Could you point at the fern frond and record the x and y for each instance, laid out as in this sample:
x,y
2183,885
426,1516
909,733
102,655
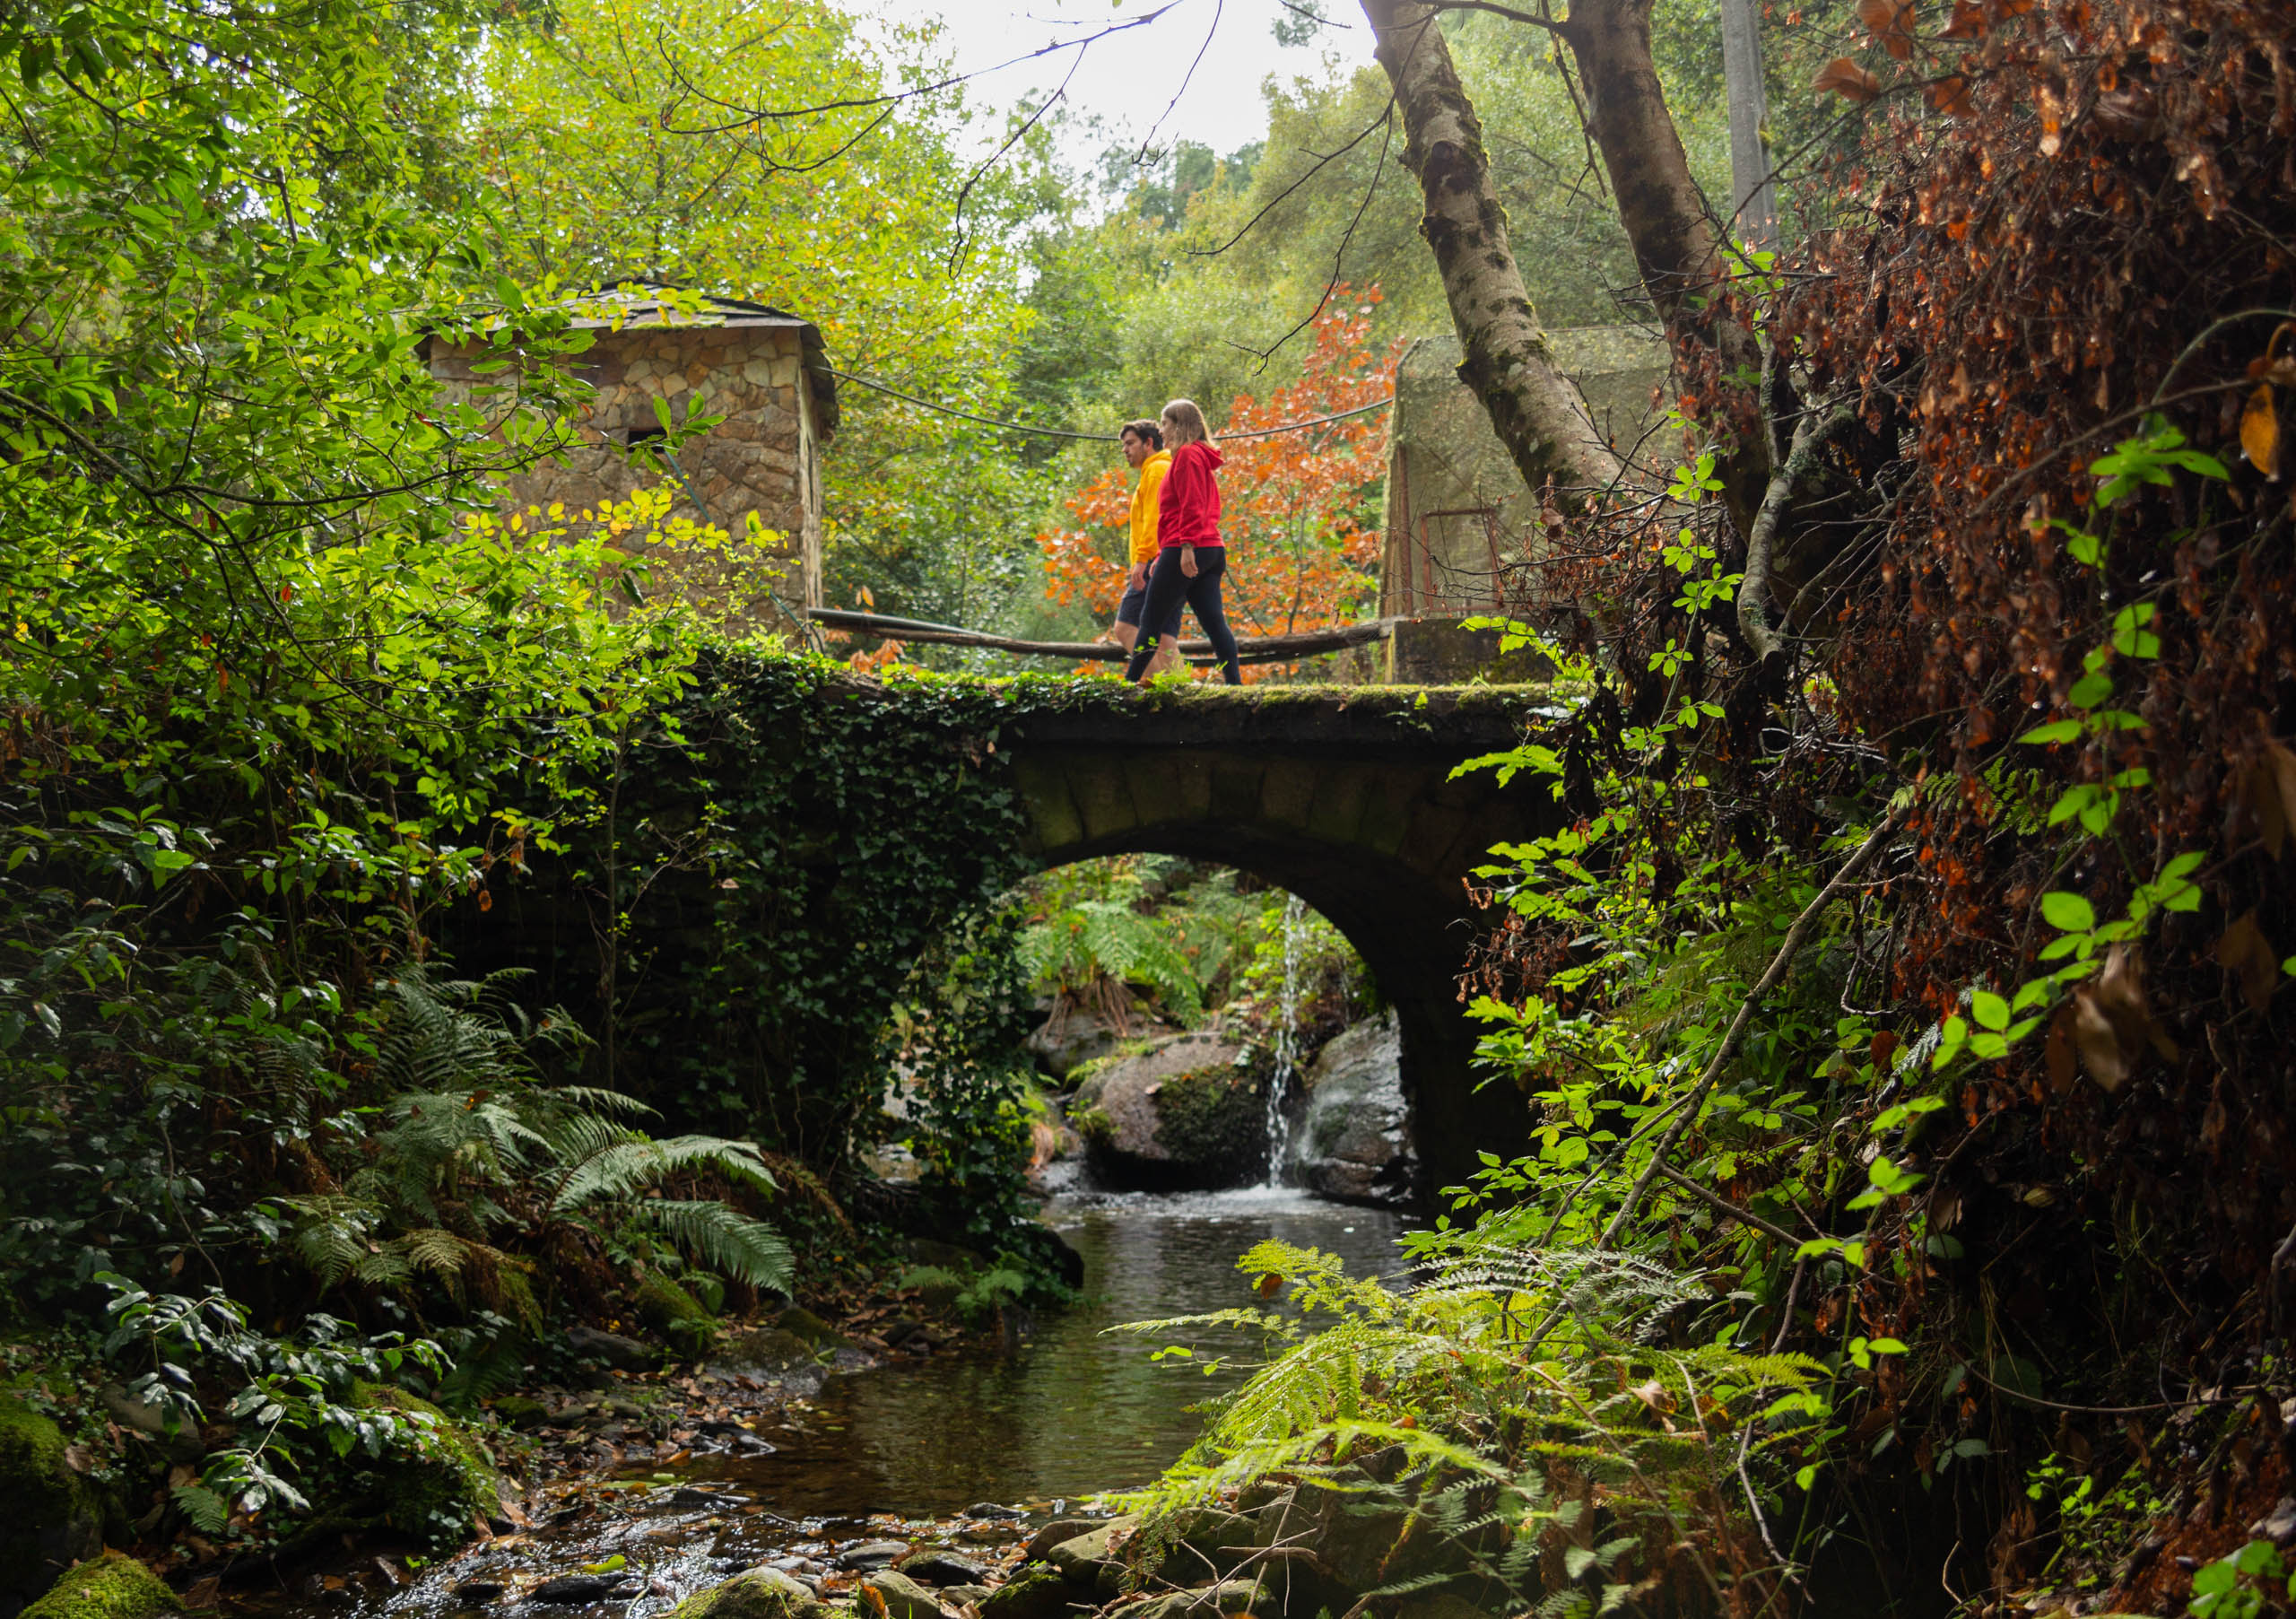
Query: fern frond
x,y
332,1236
748,1250
598,1099
383,1268
631,1163
441,1253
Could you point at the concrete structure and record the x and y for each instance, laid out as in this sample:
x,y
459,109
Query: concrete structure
x,y
1345,797
1459,521
756,474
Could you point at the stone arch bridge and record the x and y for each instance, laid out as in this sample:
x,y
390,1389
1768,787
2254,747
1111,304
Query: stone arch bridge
x,y
1342,795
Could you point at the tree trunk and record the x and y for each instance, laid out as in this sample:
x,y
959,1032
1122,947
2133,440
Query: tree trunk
x,y
1537,412
1677,247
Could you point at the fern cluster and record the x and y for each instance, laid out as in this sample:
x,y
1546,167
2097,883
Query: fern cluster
x,y
480,1165
1524,1425
1108,933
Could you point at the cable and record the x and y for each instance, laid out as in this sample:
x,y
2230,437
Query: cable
x,y
1062,432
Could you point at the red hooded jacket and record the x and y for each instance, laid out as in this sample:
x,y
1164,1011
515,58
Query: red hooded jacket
x,y
1188,507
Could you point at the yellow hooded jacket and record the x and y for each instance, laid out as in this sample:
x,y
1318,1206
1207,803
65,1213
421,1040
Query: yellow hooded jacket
x,y
1143,505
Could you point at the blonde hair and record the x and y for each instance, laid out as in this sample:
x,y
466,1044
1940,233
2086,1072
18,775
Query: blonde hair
x,y
1183,422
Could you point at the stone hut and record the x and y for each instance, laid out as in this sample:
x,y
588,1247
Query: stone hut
x,y
1457,510
756,474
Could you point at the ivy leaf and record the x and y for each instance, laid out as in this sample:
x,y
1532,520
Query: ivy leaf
x,y
2068,912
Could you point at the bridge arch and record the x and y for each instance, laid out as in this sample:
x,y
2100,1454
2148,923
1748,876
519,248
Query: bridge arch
x,y
1343,796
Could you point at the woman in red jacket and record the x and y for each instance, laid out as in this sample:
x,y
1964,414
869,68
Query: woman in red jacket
x,y
1190,557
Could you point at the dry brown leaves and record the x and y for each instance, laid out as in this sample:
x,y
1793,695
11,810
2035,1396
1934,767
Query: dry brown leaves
x,y
1844,77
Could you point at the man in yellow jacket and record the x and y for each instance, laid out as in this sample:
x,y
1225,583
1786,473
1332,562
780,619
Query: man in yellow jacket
x,y
1143,449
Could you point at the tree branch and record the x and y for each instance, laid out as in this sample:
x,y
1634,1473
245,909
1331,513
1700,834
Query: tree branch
x,y
1790,472
1722,1205
1771,979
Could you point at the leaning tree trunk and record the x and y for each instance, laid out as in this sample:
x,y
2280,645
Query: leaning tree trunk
x,y
1538,412
1677,247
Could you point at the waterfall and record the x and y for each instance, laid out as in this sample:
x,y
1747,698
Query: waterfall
x,y
1287,1041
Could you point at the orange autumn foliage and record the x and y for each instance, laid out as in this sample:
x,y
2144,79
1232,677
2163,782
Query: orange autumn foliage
x,y
1302,537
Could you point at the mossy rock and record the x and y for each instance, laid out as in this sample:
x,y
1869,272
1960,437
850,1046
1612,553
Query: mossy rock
x,y
758,1594
902,1596
437,1480
1093,1127
804,1324
111,1587
1037,1592
1216,1118
677,1315
518,1411
1186,1112
50,1516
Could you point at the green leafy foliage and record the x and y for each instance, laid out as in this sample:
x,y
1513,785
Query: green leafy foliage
x,y
1471,1409
297,1400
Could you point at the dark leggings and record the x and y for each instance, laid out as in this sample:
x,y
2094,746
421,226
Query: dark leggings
x,y
1168,587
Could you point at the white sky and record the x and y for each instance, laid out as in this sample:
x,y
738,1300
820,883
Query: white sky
x,y
1128,78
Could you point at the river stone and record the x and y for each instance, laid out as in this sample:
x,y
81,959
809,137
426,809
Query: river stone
x,y
761,1593
1080,1558
1064,1042
989,1509
1177,1113
145,1418
902,1597
760,1349
580,1590
1352,1142
962,1594
942,1568
1037,1592
626,1355
803,1323
1209,1543
518,1411
1257,1598
871,1554
1054,1533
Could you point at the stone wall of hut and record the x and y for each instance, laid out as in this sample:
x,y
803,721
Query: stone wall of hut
x,y
762,461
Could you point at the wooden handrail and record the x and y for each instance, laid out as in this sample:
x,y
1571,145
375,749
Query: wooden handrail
x,y
1255,649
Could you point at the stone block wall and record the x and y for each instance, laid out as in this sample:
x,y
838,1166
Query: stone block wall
x,y
1458,517
763,459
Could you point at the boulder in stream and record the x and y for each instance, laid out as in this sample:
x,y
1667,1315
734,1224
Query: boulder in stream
x,y
936,1567
898,1596
1037,1591
761,1593
1066,1040
1181,1112
1352,1142
582,1590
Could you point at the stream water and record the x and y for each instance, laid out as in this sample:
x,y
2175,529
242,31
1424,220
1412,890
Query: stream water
x,y
1074,1410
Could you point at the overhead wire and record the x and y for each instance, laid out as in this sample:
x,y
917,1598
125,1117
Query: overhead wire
x,y
1062,432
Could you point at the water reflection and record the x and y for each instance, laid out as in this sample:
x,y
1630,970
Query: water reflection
x,y
1075,1409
